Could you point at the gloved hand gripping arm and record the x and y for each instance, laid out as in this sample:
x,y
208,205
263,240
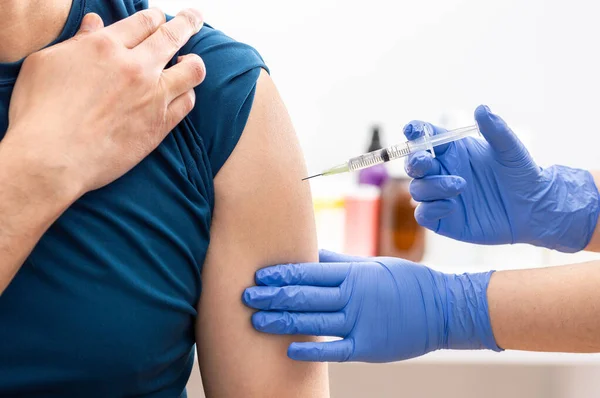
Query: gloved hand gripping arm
x,y
387,309
384,309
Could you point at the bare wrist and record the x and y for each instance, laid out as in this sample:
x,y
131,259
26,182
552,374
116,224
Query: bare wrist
x,y
35,176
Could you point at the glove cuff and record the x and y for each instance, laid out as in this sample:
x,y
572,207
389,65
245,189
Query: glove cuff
x,y
468,322
572,206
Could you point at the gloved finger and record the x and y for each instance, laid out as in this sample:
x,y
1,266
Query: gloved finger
x,y
436,188
416,129
294,298
313,324
500,137
326,256
421,164
315,274
429,213
334,351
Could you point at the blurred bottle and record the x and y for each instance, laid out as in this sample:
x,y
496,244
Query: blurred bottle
x,y
363,204
400,234
361,234
376,175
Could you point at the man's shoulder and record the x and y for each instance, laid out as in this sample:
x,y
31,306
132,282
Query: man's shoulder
x,y
221,53
224,99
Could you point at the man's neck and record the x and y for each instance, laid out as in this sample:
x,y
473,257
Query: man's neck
x,y
30,25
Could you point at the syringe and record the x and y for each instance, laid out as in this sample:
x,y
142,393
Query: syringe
x,y
424,143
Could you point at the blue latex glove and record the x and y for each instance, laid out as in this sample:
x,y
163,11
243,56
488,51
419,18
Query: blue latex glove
x,y
492,192
385,309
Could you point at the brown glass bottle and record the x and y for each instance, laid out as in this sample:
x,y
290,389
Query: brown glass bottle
x,y
400,234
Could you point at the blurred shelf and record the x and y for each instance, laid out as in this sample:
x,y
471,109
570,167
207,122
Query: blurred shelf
x,y
507,358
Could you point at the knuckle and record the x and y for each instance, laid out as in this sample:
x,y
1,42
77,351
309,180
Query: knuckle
x,y
190,17
274,273
295,273
170,36
103,44
149,20
189,101
281,274
278,299
132,70
288,321
197,69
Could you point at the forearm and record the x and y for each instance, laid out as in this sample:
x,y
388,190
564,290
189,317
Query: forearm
x,y
30,201
552,309
594,245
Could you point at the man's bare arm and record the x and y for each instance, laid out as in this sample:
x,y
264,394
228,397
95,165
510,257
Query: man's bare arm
x,y
594,245
263,215
29,203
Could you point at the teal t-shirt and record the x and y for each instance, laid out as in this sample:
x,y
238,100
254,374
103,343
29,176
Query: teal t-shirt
x,y
105,305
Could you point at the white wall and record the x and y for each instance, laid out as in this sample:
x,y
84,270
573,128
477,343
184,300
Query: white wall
x,y
342,64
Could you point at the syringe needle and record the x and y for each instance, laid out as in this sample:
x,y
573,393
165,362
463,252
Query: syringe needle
x,y
308,178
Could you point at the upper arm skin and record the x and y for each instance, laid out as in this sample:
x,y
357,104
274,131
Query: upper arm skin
x,y
263,215
594,244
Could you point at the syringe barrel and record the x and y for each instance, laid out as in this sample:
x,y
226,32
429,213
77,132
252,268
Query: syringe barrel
x,y
377,157
454,135
425,142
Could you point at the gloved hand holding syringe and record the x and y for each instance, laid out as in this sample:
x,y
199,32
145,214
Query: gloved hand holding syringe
x,y
424,143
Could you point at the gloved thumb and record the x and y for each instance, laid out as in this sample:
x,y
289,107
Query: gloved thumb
x,y
500,137
90,24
